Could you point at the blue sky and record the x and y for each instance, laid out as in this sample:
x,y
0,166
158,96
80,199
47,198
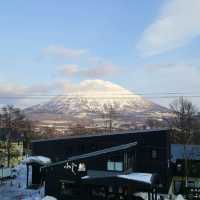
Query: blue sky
x,y
145,46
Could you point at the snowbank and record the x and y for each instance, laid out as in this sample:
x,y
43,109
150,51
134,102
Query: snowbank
x,y
15,189
49,198
142,195
180,197
37,159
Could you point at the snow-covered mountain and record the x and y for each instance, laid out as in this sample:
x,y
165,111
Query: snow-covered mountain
x,y
97,96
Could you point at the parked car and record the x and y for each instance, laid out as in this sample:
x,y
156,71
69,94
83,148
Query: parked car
x,y
13,173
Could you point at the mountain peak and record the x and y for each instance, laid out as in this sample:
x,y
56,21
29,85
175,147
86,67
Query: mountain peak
x,y
95,96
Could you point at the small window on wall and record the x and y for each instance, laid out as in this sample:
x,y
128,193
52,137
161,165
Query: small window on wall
x,y
154,154
114,166
110,166
118,166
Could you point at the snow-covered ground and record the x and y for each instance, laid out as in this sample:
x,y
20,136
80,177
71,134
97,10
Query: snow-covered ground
x,y
15,189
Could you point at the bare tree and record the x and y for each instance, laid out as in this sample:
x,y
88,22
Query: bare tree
x,y
184,123
109,114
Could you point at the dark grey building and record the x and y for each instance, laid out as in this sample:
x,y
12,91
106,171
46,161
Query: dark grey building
x,y
123,162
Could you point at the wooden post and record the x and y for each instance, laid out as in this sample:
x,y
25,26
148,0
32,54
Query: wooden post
x,y
27,176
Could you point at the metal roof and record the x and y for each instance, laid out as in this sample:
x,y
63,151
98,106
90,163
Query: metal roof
x,y
104,151
102,134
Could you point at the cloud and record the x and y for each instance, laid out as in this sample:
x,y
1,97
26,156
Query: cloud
x,y
60,52
177,25
98,67
98,71
170,77
94,86
9,94
162,78
22,96
70,70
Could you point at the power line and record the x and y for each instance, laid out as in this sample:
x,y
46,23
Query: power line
x,y
117,96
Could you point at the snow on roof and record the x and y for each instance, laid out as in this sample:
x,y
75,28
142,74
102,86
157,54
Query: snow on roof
x,y
49,198
141,177
37,159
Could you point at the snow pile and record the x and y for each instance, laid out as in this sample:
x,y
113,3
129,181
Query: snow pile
x,y
85,177
180,197
142,195
16,188
49,198
141,177
37,159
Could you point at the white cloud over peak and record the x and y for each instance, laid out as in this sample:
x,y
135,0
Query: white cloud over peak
x,y
94,86
177,25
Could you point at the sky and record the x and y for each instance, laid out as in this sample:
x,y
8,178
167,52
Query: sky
x,y
149,47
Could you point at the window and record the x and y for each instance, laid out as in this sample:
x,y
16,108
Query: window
x,y
118,166
114,166
110,166
154,154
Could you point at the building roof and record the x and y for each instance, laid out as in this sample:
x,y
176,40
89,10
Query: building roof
x,y
102,134
104,151
192,152
95,153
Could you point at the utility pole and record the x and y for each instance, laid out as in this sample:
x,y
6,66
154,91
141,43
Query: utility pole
x,y
110,118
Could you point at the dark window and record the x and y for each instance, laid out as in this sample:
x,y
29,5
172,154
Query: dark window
x,y
56,159
69,151
82,148
94,147
154,154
